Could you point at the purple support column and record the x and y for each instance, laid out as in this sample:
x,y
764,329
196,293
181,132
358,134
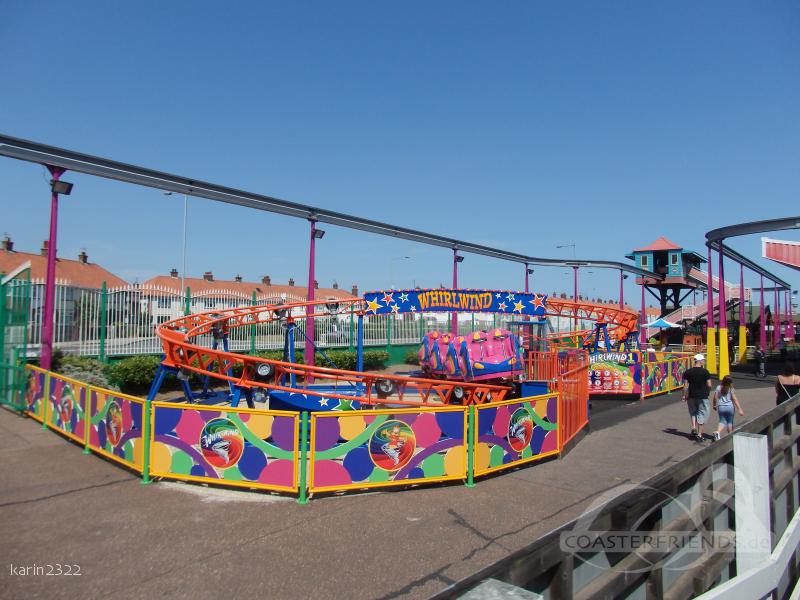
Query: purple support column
x,y
710,317
762,325
642,321
621,292
721,299
454,316
789,317
741,295
724,356
50,278
309,352
776,318
575,294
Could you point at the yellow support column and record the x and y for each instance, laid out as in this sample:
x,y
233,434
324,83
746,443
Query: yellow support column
x,y
711,350
724,360
742,344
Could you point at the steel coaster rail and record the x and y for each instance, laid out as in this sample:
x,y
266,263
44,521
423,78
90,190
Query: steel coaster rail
x,y
36,152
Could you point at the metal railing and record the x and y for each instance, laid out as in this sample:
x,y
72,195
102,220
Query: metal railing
x,y
694,501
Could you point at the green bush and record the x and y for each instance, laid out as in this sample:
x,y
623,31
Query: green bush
x,y
411,357
133,374
86,370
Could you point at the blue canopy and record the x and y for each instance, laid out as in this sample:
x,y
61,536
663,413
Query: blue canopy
x,y
662,323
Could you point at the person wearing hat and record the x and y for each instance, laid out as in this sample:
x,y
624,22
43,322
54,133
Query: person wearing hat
x,y
695,394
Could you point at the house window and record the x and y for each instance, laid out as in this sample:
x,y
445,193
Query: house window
x,y
164,302
644,260
673,259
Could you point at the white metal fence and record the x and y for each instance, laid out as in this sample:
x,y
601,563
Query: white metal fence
x,y
122,321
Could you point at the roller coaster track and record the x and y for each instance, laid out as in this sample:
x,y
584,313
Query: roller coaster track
x,y
183,350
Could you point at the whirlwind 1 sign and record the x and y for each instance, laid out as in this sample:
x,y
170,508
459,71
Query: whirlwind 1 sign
x,y
442,300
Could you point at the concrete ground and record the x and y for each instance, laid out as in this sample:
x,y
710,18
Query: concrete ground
x,y
177,540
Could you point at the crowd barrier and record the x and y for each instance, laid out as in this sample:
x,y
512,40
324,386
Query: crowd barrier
x,y
304,453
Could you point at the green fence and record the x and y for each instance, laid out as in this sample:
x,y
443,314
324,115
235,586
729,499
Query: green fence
x,y
15,301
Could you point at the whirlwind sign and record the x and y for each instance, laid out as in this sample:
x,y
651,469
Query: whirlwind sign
x,y
442,300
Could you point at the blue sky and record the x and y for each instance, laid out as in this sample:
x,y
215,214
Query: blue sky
x,y
522,125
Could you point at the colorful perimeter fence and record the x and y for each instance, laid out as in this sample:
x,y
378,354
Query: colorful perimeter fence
x,y
662,377
302,453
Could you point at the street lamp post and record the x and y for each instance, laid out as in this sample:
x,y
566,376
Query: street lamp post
x,y
454,318
183,255
56,187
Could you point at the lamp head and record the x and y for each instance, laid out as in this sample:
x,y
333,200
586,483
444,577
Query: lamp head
x,y
61,187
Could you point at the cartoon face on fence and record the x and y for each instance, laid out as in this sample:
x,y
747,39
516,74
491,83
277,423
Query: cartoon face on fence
x,y
392,445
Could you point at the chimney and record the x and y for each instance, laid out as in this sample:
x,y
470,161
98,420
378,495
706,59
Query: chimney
x,y
238,278
83,257
354,291
43,250
174,273
316,284
335,285
291,281
266,280
208,276
8,244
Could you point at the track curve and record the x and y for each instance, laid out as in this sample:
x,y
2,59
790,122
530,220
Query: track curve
x,y
182,351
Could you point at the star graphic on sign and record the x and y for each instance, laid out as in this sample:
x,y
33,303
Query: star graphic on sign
x,y
395,308
372,305
387,299
403,297
518,307
413,309
323,401
344,405
510,297
538,301
497,295
502,306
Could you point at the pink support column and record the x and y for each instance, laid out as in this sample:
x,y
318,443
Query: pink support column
x,y
50,278
721,299
776,318
788,331
710,317
762,325
711,333
621,291
454,316
575,294
741,296
642,321
309,352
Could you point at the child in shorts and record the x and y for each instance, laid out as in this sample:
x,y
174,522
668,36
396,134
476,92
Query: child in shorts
x,y
724,401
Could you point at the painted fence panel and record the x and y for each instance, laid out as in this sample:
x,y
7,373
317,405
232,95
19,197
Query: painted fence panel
x,y
663,376
115,427
35,393
677,369
376,448
66,409
515,432
238,447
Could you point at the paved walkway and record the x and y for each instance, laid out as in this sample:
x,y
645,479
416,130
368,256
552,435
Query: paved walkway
x,y
186,541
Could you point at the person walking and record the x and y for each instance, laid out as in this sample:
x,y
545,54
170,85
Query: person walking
x,y
788,384
695,394
724,401
761,362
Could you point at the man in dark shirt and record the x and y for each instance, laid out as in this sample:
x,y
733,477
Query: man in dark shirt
x,y
696,395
